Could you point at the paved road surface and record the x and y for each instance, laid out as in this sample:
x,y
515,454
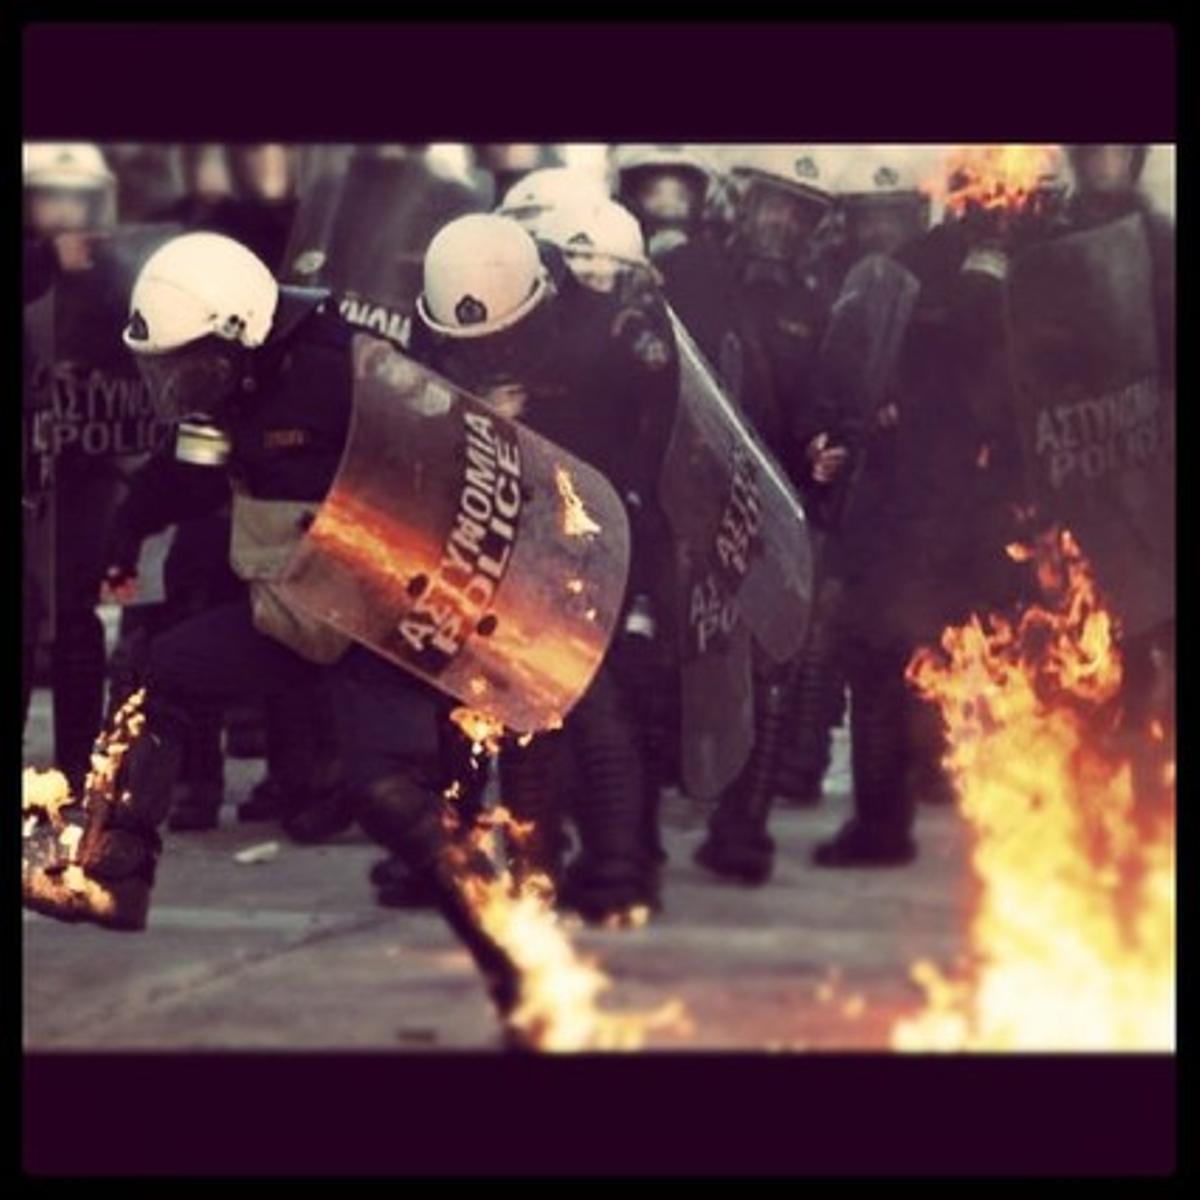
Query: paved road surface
x,y
293,953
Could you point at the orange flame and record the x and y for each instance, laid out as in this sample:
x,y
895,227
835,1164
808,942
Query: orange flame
x,y
44,794
482,730
994,177
576,521
1073,937
557,1007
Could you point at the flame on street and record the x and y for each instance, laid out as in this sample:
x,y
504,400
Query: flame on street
x,y
1073,937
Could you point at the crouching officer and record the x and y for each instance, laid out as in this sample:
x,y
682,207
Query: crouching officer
x,y
259,379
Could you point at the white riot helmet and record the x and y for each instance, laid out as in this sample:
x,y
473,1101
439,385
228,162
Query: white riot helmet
x,y
196,285
784,195
598,240
482,275
68,186
881,197
65,166
534,195
666,187
804,171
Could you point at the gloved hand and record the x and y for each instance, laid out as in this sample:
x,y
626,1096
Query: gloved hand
x,y
122,552
826,460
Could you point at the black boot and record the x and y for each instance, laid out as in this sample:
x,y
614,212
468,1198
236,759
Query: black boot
x,y
108,879
613,872
738,845
880,833
326,813
858,844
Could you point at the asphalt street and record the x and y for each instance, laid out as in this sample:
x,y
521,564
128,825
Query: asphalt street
x,y
292,952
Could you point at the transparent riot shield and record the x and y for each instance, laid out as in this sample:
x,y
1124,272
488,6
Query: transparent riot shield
x,y
730,503
86,381
464,547
1095,417
366,215
743,567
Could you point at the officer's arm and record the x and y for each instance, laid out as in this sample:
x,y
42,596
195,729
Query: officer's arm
x,y
162,493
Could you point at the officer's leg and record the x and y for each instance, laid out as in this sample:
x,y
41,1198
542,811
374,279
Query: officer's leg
x,y
738,845
211,659
463,776
84,499
531,790
386,730
646,676
1148,720
199,555
926,778
813,705
388,737
880,832
613,871
310,727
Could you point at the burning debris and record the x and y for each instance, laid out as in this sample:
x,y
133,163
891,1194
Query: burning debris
x,y
1073,938
996,177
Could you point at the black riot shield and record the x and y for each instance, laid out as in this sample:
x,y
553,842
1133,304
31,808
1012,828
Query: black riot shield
x,y
464,547
87,384
364,220
865,332
859,354
744,568
1095,416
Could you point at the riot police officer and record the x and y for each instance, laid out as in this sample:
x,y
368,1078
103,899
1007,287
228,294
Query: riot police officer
x,y
69,194
533,197
259,379
516,328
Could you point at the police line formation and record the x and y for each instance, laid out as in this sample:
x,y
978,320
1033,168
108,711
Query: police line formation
x,y
668,468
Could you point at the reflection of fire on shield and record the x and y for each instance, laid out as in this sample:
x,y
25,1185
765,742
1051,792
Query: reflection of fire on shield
x,y
464,547
1095,418
743,569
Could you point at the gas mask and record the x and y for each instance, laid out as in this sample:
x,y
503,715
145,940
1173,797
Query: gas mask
x,y
195,387
664,199
50,211
884,226
777,225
